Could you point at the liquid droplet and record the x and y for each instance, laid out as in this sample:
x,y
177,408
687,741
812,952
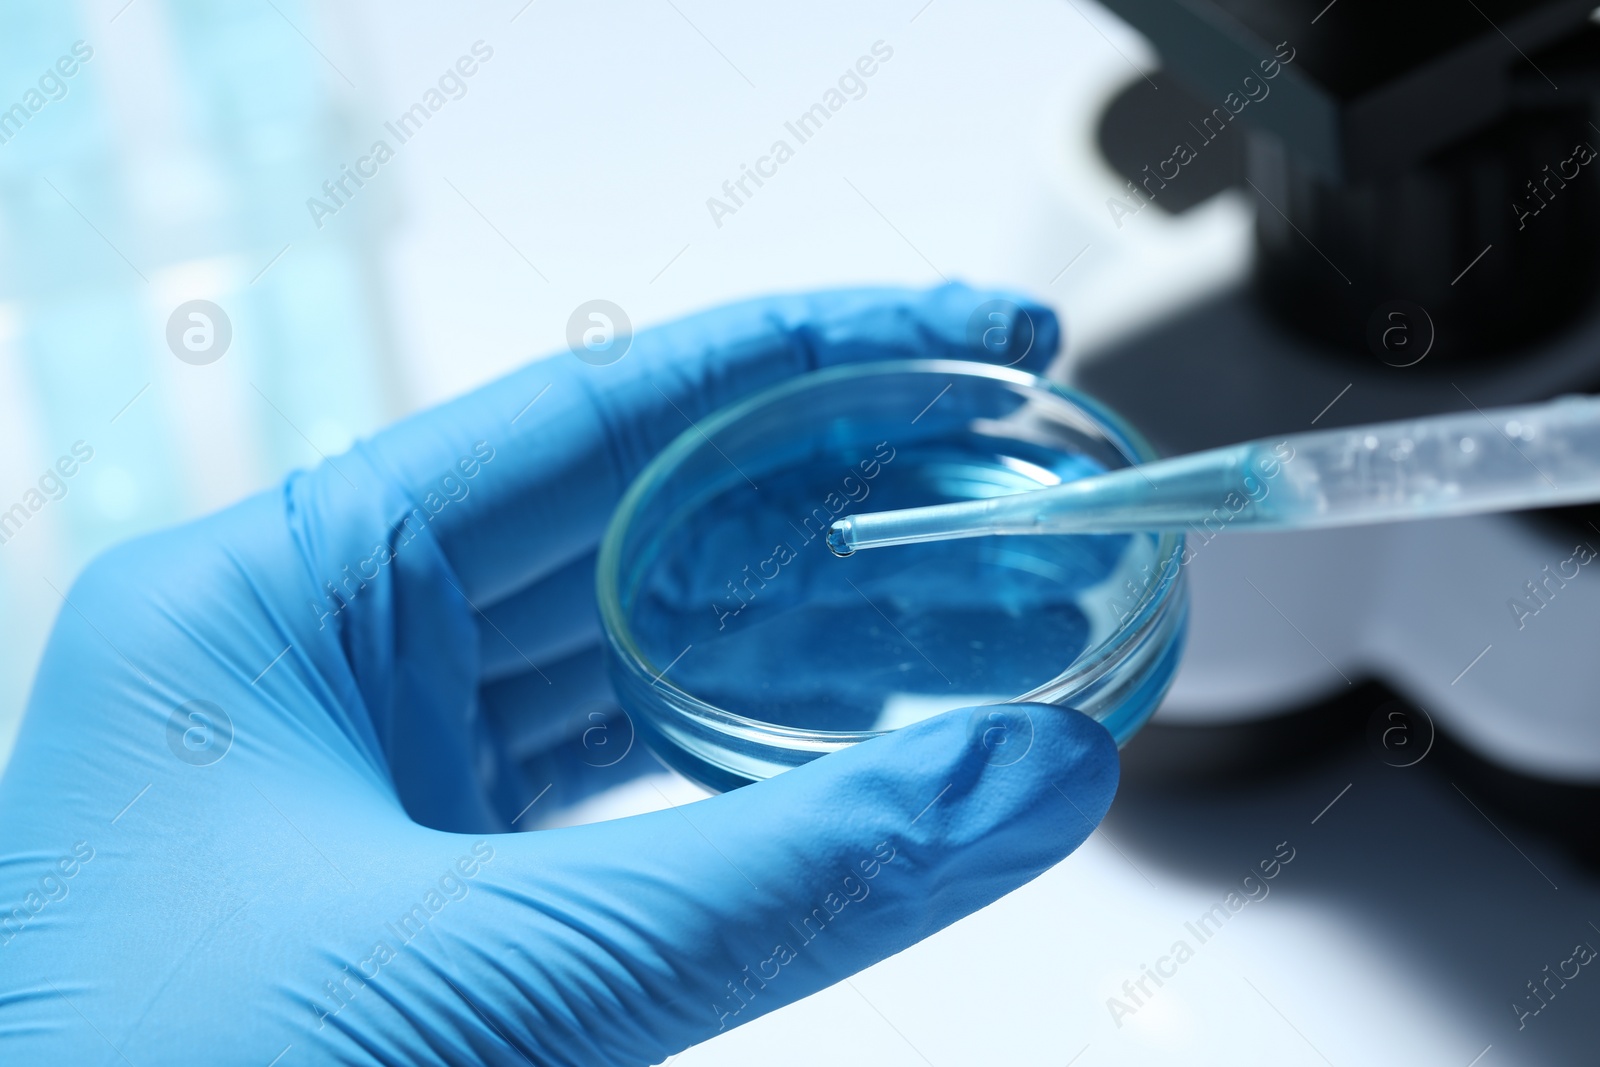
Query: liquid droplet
x,y
839,539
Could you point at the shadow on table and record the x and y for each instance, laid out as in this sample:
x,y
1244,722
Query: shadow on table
x,y
1407,857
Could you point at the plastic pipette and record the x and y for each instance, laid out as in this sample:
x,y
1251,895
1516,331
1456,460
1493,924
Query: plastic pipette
x,y
1536,455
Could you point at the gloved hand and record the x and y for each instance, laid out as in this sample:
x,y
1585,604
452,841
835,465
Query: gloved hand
x,y
258,804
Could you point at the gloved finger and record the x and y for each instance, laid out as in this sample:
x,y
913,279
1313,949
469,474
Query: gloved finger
x,y
548,620
519,477
601,751
536,709
703,917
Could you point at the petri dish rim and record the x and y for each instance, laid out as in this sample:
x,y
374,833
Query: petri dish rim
x,y
1085,669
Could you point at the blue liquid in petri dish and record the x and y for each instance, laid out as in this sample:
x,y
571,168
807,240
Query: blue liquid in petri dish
x,y
785,632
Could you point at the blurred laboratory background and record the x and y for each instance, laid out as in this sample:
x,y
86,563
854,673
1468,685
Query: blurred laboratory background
x,y
203,151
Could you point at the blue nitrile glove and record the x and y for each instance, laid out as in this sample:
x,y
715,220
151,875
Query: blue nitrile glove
x,y
258,803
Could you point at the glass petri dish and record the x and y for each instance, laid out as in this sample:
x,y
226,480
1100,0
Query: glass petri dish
x,y
740,646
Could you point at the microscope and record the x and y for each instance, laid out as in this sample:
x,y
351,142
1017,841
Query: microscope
x,y
1427,239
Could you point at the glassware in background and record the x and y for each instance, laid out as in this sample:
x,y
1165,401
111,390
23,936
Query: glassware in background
x,y
151,156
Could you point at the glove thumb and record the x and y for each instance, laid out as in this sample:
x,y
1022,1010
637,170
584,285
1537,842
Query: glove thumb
x,y
706,916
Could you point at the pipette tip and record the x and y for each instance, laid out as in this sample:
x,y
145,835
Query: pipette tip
x,y
839,538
